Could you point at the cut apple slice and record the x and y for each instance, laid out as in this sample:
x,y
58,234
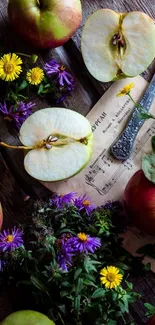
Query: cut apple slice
x,y
116,45
60,143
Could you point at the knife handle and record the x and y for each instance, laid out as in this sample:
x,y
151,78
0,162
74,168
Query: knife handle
x,y
121,149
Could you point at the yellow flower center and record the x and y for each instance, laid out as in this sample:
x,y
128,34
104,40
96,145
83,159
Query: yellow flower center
x,y
9,239
35,76
86,203
111,277
82,236
8,68
8,118
62,68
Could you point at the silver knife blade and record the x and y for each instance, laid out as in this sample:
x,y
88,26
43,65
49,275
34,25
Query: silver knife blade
x,y
121,149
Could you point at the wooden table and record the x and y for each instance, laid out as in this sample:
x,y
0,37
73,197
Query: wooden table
x,y
14,181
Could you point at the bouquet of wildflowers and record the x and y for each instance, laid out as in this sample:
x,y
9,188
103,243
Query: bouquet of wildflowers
x,y
17,80
69,262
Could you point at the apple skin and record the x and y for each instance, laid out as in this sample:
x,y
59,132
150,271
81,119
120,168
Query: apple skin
x,y
27,317
45,23
139,197
151,321
1,216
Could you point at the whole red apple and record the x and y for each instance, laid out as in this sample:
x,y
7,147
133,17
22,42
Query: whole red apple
x,y
1,216
139,196
45,23
151,321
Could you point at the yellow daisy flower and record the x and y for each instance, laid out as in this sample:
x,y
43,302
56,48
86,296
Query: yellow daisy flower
x,y
10,67
126,89
111,277
35,76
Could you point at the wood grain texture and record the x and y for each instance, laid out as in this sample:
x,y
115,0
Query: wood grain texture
x,y
87,92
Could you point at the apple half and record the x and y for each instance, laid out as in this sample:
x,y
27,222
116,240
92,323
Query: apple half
x,y
59,143
117,45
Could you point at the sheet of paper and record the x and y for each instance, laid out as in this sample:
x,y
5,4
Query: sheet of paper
x,y
105,178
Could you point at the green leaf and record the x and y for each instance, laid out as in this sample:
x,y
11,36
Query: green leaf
x,y
153,143
123,266
41,88
145,116
89,283
77,273
64,293
112,322
77,304
23,85
98,293
66,284
125,302
38,284
129,284
148,167
114,295
34,58
79,286
150,309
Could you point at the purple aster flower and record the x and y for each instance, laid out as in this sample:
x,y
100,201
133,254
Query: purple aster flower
x,y
10,240
60,200
84,202
83,244
64,257
17,115
64,78
112,205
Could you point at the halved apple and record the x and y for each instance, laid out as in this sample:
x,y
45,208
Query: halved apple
x,y
59,141
116,45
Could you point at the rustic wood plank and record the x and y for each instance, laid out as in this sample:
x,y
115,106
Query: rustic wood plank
x,y
11,197
87,92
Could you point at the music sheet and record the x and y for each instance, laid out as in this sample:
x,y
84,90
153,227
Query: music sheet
x,y
105,178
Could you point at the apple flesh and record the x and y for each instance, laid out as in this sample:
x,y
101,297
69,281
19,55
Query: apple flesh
x,y
45,23
139,197
116,45
27,317
1,216
60,143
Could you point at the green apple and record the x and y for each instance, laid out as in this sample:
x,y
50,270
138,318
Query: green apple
x,y
59,142
117,45
45,23
27,317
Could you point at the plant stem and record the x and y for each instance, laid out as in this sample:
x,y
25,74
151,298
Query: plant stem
x,y
132,99
62,321
140,107
23,54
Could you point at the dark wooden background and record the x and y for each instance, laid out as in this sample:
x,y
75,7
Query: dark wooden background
x,y
14,181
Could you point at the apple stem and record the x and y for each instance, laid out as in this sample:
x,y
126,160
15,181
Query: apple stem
x,y
38,146
3,144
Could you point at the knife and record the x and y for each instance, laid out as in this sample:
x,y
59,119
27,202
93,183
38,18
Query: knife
x,y
121,149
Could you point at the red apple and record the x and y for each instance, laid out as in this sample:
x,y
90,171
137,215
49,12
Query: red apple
x,y
139,196
45,23
151,321
1,216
